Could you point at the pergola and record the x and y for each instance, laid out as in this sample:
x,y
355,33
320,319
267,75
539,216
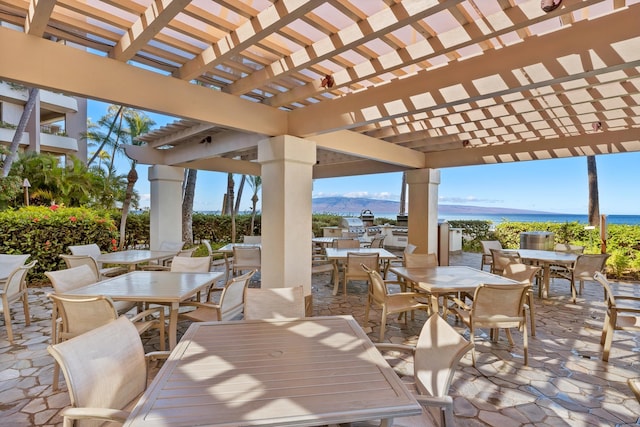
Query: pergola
x,y
295,90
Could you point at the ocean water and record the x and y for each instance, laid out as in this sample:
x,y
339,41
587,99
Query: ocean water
x,y
561,218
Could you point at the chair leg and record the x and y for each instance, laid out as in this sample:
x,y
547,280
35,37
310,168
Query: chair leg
x,y
7,319
608,340
25,307
525,342
532,313
573,290
56,376
383,323
473,347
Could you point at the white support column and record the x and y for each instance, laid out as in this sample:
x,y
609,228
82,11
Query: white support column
x,y
287,183
423,209
166,204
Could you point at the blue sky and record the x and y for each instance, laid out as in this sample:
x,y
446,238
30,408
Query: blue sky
x,y
558,186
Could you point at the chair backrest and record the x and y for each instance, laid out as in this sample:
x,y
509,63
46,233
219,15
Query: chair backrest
x,y
378,291
565,247
186,253
191,264
499,305
92,250
9,263
246,257
522,273
169,246
77,260
420,260
608,294
410,248
354,263
587,265
232,296
487,245
71,278
273,303
16,282
82,314
438,351
103,368
346,243
207,244
503,258
254,240
377,242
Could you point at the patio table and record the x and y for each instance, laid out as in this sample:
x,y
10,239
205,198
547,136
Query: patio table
x,y
340,255
133,257
443,280
292,372
161,287
546,259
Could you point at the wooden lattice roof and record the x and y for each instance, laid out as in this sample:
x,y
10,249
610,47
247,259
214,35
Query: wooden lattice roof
x,y
380,85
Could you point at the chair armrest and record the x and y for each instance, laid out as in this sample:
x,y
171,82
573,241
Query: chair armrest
x,y
106,414
439,402
157,355
153,267
395,347
198,304
148,312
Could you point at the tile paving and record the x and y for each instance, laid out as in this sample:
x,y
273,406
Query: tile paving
x,y
565,383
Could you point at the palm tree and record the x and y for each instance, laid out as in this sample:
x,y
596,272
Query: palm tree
x,y
187,205
243,179
594,204
138,123
255,182
17,136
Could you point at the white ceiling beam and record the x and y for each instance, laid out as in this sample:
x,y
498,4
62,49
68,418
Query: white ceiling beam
x,y
390,19
181,135
355,168
222,164
38,16
276,16
359,145
155,18
222,144
594,143
364,107
128,85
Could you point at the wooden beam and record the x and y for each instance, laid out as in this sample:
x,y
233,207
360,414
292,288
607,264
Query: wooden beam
x,y
38,16
108,80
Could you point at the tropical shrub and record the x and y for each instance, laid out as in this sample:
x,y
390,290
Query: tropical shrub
x,y
46,232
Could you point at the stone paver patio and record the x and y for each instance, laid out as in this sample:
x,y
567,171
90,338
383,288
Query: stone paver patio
x,y
565,383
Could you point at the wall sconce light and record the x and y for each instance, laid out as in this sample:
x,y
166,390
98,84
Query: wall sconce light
x,y
328,81
550,5
596,126
207,140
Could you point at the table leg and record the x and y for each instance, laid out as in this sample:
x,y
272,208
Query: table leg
x,y
336,278
434,304
227,268
545,279
386,422
173,325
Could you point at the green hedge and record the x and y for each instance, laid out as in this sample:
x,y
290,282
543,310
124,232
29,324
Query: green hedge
x,y
44,233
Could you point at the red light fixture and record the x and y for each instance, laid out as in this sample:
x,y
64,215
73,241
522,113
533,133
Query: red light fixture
x,y
328,81
550,5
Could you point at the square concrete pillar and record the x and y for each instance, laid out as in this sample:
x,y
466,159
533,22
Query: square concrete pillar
x,y
423,209
287,183
166,204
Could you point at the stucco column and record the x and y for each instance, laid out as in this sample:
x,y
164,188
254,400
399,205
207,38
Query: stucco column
x,y
166,204
287,182
423,209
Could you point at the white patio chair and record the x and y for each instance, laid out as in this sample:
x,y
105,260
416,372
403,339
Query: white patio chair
x,y
14,288
274,303
94,252
436,356
105,370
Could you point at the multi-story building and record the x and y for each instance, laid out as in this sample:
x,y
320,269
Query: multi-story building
x,y
56,124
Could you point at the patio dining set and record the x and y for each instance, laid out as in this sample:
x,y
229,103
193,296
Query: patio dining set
x,y
275,364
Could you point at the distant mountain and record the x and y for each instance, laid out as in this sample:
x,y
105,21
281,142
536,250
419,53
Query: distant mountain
x,y
354,206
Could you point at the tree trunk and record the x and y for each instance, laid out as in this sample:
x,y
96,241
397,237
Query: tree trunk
x,y
22,125
254,203
187,206
228,207
594,204
132,178
403,194
239,196
113,124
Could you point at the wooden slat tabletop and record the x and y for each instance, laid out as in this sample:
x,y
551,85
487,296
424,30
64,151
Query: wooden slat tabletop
x,y
296,372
